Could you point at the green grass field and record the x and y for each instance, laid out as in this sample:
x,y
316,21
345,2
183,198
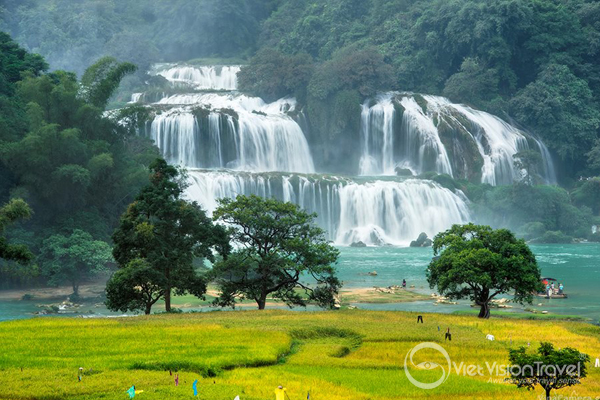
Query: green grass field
x,y
351,354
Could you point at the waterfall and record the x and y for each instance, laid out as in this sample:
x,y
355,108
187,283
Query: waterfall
x,y
429,133
377,133
203,77
384,212
175,134
242,133
496,140
235,144
421,142
549,173
417,146
136,97
374,212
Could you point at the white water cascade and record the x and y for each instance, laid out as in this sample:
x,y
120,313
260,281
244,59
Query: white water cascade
x,y
202,77
374,212
240,132
418,150
428,133
234,144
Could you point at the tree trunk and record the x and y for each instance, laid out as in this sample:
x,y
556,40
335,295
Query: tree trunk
x,y
484,312
168,298
168,291
262,301
548,393
75,289
148,308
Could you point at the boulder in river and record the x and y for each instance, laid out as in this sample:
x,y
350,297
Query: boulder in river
x,y
422,241
358,244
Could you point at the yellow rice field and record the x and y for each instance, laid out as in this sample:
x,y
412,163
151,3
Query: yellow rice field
x,y
350,354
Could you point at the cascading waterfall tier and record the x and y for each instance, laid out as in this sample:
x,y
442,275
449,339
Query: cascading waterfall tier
x,y
210,130
376,212
420,133
200,77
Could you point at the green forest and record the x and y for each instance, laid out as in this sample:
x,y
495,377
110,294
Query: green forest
x,y
76,169
63,63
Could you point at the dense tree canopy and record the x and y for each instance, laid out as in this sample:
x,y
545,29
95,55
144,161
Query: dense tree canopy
x,y
167,233
73,34
278,247
75,167
479,263
275,74
562,108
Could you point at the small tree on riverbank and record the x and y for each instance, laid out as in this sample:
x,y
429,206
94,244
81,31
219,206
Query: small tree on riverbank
x,y
279,245
550,368
74,258
480,263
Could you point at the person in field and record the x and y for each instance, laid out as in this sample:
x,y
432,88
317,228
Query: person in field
x,y
448,335
280,393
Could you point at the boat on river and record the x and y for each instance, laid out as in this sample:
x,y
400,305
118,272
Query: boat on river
x,y
555,293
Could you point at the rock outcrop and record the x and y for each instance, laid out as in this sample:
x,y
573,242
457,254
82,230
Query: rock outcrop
x,y
422,241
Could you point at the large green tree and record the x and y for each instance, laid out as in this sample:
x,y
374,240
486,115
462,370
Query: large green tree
x,y
167,232
480,263
74,258
550,368
279,251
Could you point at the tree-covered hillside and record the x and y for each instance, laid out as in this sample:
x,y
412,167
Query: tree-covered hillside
x,y
536,62
76,168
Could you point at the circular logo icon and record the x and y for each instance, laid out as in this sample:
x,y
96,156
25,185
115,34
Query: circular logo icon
x,y
429,365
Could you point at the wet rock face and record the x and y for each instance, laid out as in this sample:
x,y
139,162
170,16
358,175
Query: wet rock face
x,y
422,241
403,172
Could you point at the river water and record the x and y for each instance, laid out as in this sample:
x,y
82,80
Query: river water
x,y
577,266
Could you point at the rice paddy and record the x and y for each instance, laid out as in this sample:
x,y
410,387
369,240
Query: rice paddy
x,y
349,354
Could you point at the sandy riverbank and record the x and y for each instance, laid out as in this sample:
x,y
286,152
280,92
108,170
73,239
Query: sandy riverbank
x,y
96,290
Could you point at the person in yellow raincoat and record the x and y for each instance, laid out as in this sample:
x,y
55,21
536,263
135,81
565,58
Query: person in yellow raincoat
x,y
280,393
